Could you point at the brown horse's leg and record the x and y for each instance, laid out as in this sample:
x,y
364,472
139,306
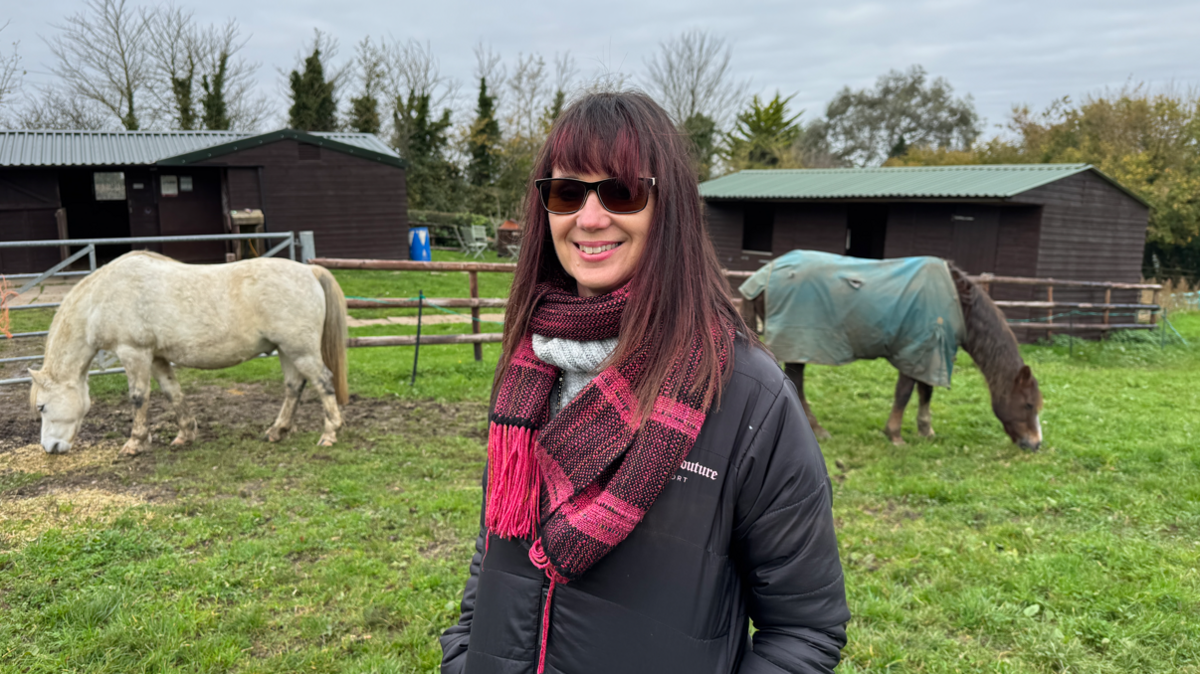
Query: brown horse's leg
x,y
904,389
293,384
137,364
924,416
165,375
795,372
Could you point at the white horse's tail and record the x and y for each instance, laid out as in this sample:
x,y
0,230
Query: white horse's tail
x,y
333,335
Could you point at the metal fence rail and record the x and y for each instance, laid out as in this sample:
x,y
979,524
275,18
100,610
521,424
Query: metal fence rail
x,y
286,240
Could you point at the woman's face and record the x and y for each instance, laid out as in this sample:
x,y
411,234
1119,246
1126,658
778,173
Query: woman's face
x,y
599,249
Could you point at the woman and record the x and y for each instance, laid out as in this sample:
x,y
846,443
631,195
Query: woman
x,y
652,481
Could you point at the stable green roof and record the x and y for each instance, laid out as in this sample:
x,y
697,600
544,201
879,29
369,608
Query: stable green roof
x,y
167,148
995,181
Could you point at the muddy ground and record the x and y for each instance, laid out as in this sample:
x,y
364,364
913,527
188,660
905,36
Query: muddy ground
x,y
247,410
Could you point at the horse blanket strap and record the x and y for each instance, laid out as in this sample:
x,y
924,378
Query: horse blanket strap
x,y
830,310
581,482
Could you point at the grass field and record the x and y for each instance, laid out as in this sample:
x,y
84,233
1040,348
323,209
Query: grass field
x,y
962,553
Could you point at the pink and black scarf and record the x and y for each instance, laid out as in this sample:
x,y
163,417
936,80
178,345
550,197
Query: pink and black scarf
x,y
577,485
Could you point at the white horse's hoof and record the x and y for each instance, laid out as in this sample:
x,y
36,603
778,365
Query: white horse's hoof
x,y
325,442
133,448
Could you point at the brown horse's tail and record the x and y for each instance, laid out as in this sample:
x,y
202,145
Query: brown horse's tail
x,y
333,335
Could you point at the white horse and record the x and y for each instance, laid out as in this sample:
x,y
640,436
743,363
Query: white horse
x,y
152,311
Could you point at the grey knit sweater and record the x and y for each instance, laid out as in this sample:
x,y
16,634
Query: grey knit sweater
x,y
579,361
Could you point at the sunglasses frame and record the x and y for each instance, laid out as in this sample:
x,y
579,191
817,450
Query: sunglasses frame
x,y
589,187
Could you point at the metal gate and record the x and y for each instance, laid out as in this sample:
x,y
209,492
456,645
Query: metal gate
x,y
107,363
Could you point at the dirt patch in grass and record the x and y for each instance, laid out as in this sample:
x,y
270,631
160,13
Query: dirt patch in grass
x,y
23,520
249,407
245,410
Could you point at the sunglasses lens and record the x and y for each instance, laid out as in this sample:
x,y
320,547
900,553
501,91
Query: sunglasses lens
x,y
620,199
563,196
566,195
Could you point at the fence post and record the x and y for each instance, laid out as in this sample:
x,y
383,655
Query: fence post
x,y
1154,314
308,247
1050,311
92,257
1107,300
417,349
474,281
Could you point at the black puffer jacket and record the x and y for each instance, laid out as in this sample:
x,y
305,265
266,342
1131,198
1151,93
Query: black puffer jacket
x,y
743,532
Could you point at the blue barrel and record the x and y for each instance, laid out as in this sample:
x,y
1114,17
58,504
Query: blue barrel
x,y
418,244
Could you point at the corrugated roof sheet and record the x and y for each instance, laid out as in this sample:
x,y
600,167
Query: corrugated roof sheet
x,y
116,148
995,181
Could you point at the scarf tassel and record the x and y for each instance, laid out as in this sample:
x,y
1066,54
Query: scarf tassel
x,y
537,555
514,479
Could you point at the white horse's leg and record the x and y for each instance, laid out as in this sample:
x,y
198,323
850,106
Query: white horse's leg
x,y
293,383
312,369
165,374
137,364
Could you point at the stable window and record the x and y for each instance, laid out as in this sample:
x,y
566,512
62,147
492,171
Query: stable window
x,y
758,228
109,185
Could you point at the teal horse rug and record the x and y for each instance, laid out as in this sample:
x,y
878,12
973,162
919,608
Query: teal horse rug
x,y
830,310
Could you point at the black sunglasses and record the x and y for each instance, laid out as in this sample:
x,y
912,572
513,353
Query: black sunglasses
x,y
563,196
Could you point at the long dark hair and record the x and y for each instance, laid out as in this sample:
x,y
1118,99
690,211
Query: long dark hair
x,y
677,290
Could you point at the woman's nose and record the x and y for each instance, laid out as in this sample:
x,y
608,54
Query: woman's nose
x,y
592,215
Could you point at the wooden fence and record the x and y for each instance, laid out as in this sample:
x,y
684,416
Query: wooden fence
x,y
474,302
1103,310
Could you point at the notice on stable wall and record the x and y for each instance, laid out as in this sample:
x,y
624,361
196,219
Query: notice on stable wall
x,y
170,186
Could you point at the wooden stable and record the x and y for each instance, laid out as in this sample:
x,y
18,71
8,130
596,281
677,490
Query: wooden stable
x,y
347,188
1052,221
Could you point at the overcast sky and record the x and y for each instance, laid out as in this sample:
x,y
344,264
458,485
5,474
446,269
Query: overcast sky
x,y
1002,53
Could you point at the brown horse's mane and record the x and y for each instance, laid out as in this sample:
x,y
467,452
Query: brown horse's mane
x,y
989,340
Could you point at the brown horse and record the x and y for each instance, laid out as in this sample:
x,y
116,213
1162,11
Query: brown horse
x,y
1016,400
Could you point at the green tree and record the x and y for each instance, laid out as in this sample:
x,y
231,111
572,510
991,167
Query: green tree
x,y
434,182
364,108
214,84
764,136
483,140
313,105
866,127
181,90
701,132
1148,142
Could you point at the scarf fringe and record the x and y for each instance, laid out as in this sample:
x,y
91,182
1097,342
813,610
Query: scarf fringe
x,y
514,478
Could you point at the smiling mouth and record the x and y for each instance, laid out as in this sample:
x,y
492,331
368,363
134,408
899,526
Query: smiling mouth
x,y
594,250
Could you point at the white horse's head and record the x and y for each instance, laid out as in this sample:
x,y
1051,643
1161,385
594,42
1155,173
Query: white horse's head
x,y
62,406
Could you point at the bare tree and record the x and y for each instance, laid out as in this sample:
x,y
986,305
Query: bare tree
x,y
176,54
690,76
229,81
10,72
56,109
414,86
528,96
199,82
410,68
103,55
488,64
370,59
